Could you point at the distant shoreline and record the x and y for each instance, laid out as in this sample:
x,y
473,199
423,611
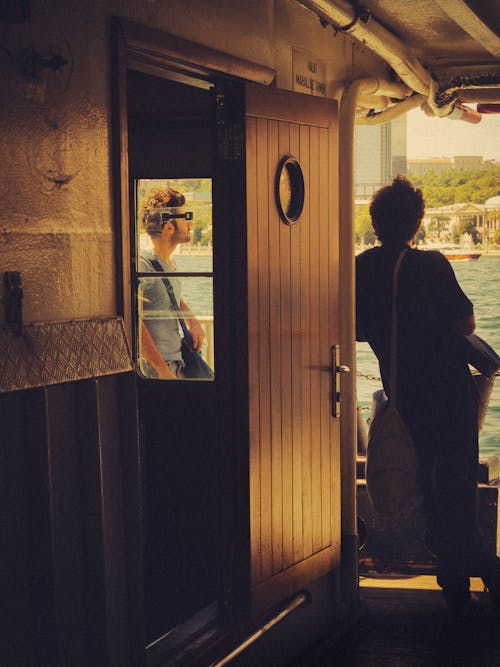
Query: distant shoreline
x,y
484,253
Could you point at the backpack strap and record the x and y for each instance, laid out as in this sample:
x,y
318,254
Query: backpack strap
x,y
394,330
168,285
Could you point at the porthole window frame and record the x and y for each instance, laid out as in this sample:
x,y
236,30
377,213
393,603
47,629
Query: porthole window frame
x,y
290,214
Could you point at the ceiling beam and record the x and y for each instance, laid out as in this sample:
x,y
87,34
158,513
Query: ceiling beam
x,y
470,22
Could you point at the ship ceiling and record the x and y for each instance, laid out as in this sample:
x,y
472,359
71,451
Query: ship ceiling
x,y
443,32
446,51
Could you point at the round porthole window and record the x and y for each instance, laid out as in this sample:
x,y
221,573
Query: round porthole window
x,y
289,188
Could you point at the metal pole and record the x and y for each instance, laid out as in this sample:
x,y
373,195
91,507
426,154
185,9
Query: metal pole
x,y
297,601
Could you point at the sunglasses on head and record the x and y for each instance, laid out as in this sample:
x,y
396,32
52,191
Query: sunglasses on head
x,y
165,217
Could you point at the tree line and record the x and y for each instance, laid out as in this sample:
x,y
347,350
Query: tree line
x,y
457,186
454,186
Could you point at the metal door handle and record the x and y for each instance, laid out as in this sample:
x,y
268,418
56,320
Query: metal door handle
x,y
336,370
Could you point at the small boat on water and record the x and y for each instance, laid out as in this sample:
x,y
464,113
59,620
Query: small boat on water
x,y
452,251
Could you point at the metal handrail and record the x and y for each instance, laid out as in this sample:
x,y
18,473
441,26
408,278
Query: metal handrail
x,y
302,598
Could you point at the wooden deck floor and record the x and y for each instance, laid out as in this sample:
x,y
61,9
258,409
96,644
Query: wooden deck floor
x,y
405,624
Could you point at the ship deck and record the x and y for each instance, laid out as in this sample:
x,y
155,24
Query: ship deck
x,y
404,623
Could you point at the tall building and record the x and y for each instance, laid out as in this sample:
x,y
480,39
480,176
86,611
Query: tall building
x,y
380,154
399,142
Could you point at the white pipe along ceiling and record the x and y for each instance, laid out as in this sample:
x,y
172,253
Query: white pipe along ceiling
x,y
437,98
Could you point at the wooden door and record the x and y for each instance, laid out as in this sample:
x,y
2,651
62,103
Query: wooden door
x,y
293,323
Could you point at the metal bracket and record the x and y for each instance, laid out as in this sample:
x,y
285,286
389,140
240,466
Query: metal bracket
x,y
13,302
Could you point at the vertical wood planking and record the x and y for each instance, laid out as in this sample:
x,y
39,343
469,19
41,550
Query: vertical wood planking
x,y
306,549
333,281
296,367
315,323
67,534
288,145
113,518
253,348
324,290
274,148
27,607
266,357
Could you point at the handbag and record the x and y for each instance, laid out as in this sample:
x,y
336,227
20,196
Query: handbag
x,y
481,355
195,367
486,361
391,457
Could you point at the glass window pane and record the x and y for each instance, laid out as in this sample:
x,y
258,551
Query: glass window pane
x,y
174,238
198,201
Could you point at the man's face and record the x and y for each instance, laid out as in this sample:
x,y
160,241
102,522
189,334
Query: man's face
x,y
182,229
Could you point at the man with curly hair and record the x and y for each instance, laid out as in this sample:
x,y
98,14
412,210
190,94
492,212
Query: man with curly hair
x,y
436,393
166,222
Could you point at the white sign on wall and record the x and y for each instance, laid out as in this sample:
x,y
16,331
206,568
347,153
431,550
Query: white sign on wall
x,y
309,74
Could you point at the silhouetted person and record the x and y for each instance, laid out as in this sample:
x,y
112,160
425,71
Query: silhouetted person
x,y
436,392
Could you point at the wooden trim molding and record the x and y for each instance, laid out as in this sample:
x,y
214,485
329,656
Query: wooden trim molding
x,y
143,43
274,104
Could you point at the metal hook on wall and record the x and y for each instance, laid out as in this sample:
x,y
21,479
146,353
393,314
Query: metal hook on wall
x,y
13,302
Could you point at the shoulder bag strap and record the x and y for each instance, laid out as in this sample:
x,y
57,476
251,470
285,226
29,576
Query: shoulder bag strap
x,y
168,285
394,330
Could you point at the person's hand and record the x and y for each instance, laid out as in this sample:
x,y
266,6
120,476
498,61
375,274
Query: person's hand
x,y
197,333
166,374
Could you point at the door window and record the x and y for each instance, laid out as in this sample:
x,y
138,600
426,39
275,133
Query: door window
x,y
174,278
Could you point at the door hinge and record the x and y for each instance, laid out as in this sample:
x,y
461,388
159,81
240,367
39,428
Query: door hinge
x,y
230,128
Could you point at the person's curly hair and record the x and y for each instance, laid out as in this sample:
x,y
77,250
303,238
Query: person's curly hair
x,y
397,211
158,199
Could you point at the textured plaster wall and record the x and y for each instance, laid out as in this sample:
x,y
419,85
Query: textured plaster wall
x,y
56,218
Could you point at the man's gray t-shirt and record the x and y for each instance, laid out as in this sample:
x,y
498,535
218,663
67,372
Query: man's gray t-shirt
x,y
158,312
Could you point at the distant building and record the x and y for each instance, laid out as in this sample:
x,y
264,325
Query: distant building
x,y
468,162
422,166
419,167
379,155
492,208
440,221
493,203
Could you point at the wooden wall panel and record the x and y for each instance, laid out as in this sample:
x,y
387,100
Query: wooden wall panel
x,y
334,323
286,146
27,605
304,389
274,137
253,347
324,339
296,388
314,328
70,450
292,291
267,356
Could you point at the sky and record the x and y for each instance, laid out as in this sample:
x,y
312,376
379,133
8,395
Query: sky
x,y
441,137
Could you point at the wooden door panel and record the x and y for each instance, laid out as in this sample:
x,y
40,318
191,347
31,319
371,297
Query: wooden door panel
x,y
254,324
283,270
304,389
292,287
276,482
